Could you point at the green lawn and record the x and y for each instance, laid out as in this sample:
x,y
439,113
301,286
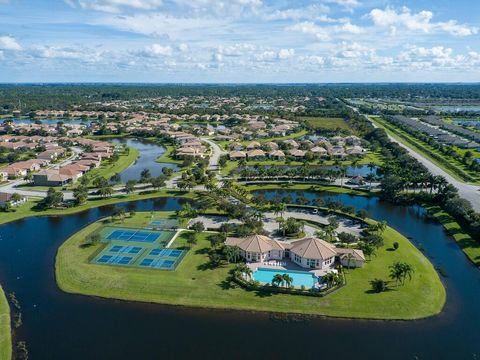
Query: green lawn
x,y
108,169
325,123
166,157
306,187
28,209
470,246
191,284
5,328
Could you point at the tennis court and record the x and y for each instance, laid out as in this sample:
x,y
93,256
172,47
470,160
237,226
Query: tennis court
x,y
139,248
129,235
114,260
162,258
165,223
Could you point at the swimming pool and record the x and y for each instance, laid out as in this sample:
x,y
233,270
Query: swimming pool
x,y
300,278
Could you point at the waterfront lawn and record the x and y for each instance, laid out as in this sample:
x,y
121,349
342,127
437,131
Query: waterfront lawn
x,y
470,246
30,208
5,328
326,123
167,156
107,169
194,283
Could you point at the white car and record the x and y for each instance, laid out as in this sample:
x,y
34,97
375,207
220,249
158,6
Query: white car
x,y
315,211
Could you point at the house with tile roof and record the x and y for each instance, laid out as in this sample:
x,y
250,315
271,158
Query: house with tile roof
x,y
308,253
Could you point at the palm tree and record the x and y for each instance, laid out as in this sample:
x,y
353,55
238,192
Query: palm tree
x,y
287,279
396,272
350,259
232,253
408,271
277,279
370,177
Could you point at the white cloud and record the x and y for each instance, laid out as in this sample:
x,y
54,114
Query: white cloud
x,y
325,33
267,55
158,50
161,25
308,27
183,47
236,49
312,12
9,43
421,21
227,8
286,53
116,5
347,4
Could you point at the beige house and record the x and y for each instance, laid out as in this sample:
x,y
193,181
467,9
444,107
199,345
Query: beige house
x,y
309,253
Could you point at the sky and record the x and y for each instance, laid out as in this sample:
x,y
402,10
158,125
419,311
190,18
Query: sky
x,y
239,41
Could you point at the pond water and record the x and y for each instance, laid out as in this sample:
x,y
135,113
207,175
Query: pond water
x,y
64,326
149,152
52,121
457,108
362,170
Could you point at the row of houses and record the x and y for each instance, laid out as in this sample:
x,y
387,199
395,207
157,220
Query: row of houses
x,y
70,173
294,149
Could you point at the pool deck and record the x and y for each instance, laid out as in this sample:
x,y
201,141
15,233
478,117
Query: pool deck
x,y
286,264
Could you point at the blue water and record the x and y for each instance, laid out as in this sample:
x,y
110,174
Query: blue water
x,y
300,278
50,121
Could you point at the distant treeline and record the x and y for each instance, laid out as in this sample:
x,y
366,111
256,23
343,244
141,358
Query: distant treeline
x,y
29,97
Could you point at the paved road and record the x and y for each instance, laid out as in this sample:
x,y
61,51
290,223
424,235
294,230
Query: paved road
x,y
467,191
216,153
212,165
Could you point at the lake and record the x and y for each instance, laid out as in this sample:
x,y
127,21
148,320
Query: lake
x,y
149,152
64,326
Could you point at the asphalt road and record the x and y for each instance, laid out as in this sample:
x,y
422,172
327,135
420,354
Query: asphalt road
x,y
466,191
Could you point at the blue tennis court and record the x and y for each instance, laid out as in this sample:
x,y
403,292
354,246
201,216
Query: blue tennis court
x,y
125,249
117,260
131,235
166,252
158,263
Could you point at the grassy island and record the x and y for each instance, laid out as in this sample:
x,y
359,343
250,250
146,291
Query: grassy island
x,y
194,284
5,328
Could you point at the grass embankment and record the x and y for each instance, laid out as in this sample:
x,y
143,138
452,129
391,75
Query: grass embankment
x,y
469,246
193,283
5,328
30,207
450,165
167,157
308,187
325,123
108,169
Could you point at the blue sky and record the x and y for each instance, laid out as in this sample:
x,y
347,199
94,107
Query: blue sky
x,y
239,41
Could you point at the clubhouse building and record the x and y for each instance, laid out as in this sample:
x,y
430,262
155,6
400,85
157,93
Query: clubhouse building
x,y
308,253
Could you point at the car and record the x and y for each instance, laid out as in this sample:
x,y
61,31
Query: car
x,y
315,211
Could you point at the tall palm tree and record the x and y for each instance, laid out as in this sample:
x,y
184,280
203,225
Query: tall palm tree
x,y
350,259
396,272
287,279
277,279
